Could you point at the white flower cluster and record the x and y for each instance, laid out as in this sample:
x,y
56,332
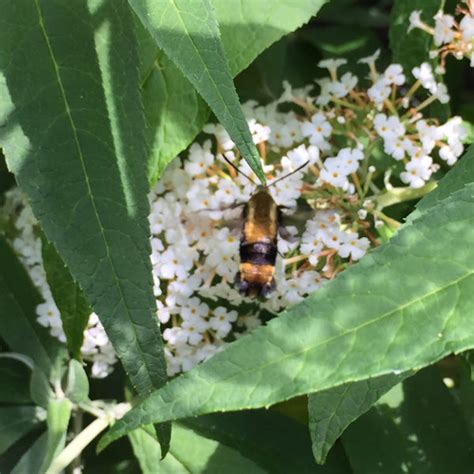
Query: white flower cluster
x,y
196,207
26,243
450,35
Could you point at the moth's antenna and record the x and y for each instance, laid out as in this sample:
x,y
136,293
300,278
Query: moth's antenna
x,y
239,171
289,174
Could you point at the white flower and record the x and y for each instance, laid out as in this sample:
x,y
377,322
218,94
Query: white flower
x,y
388,127
317,130
194,308
194,329
48,314
428,134
467,28
370,60
451,153
353,246
344,86
443,32
394,75
221,135
332,65
415,20
379,91
441,93
298,156
260,133
199,158
418,171
221,321
424,73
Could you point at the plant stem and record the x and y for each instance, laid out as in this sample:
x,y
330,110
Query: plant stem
x,y
77,445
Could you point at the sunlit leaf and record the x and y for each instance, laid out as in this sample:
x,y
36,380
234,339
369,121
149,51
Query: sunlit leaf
x,y
409,301
174,111
73,135
189,35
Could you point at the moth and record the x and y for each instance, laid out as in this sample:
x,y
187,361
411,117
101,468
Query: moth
x,y
259,240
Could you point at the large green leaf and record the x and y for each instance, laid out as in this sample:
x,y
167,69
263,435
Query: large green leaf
x,y
175,112
69,298
15,422
416,429
59,413
15,379
74,137
32,460
332,411
189,452
189,34
277,443
18,325
402,307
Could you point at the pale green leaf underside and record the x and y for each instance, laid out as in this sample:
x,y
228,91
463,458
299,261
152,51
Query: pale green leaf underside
x,y
175,113
189,452
404,306
189,35
73,134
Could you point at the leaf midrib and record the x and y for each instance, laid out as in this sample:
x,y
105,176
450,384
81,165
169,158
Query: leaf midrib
x,y
349,331
89,189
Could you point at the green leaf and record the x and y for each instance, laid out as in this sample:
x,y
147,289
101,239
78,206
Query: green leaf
x,y
18,325
275,442
15,422
59,413
15,379
332,411
418,429
175,113
77,389
455,180
409,301
69,298
41,390
189,452
32,460
76,145
189,34
411,49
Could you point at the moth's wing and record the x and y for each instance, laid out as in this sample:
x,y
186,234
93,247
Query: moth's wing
x,y
294,217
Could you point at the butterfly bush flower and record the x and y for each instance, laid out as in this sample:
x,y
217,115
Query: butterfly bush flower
x,y
451,36
361,138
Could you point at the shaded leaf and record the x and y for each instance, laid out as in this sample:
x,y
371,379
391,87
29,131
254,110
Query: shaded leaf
x,y
189,452
15,422
175,113
77,389
41,390
409,300
18,324
77,150
189,34
332,411
32,460
69,298
277,443
14,380
414,429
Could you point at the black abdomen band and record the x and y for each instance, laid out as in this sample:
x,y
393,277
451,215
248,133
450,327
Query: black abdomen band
x,y
258,253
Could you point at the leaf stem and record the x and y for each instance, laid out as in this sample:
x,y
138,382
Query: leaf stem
x,y
78,444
